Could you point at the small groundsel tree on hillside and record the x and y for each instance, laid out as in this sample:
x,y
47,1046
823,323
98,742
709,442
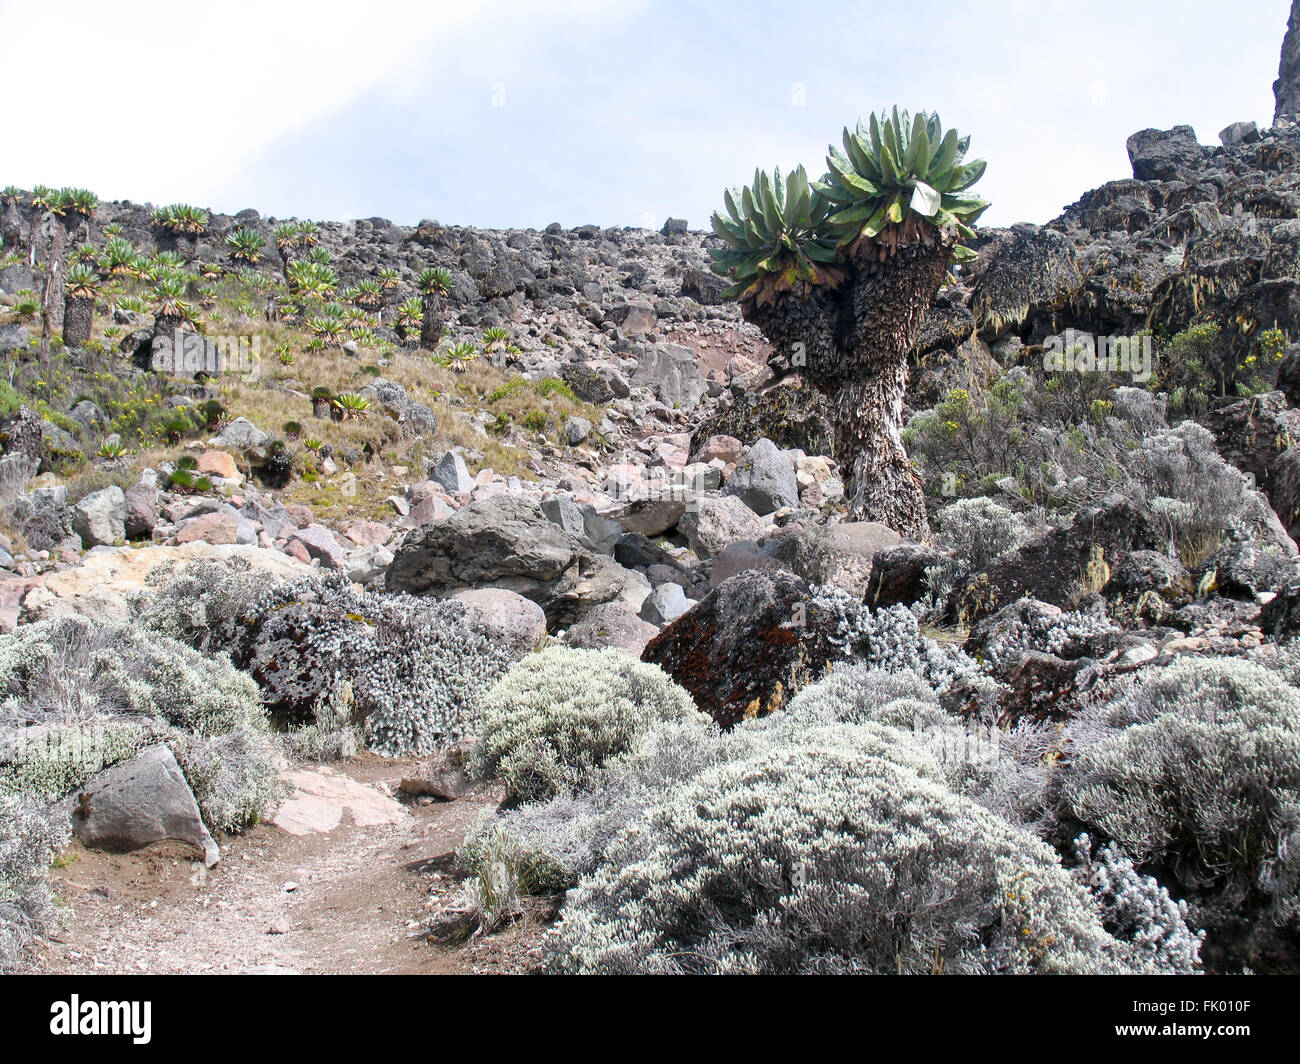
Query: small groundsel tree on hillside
x,y
81,286
838,274
435,284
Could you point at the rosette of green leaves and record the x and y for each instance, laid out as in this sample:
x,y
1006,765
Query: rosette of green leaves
x,y
776,231
898,166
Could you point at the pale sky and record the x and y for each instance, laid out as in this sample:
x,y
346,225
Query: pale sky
x,y
509,113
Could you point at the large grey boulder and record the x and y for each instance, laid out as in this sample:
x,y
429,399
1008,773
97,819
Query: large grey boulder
x,y
508,542
141,503
13,338
239,434
716,522
451,472
100,517
837,554
764,479
519,623
665,604
612,625
498,542
670,372
46,519
138,803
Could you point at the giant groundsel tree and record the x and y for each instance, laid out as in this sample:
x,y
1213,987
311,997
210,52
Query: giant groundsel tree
x,y
838,274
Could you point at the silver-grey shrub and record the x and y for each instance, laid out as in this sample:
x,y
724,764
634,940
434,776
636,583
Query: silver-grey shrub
x,y
71,669
556,717
827,858
1138,911
415,666
1195,769
31,835
202,603
981,530
79,696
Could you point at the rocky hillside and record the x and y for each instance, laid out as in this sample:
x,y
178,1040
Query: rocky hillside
x,y
539,511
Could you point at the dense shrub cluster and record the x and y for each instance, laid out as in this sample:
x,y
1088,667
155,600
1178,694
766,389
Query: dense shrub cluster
x,y
980,530
71,669
888,639
414,666
828,859
31,834
79,697
1138,910
554,719
203,603
1195,771
1067,442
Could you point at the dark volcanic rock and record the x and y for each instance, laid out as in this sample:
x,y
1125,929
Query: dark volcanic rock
x,y
1286,89
1165,154
747,646
1057,567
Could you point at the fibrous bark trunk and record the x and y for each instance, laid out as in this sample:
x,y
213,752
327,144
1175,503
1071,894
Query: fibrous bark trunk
x,y
880,485
52,295
432,321
78,316
852,344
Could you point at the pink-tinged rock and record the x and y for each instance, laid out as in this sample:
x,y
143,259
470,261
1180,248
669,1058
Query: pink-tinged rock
x,y
323,800
728,449
322,545
368,533
429,509
12,591
219,527
295,549
670,455
515,620
300,515
219,464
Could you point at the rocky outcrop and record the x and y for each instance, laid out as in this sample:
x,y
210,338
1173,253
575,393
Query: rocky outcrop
x,y
508,542
1286,89
101,586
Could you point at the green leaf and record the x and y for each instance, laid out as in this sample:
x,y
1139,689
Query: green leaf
x,y
945,156
968,175
853,215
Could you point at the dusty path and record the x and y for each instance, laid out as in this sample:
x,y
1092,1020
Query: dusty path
x,y
348,900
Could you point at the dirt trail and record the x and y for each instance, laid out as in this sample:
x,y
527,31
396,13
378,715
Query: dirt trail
x,y
345,901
